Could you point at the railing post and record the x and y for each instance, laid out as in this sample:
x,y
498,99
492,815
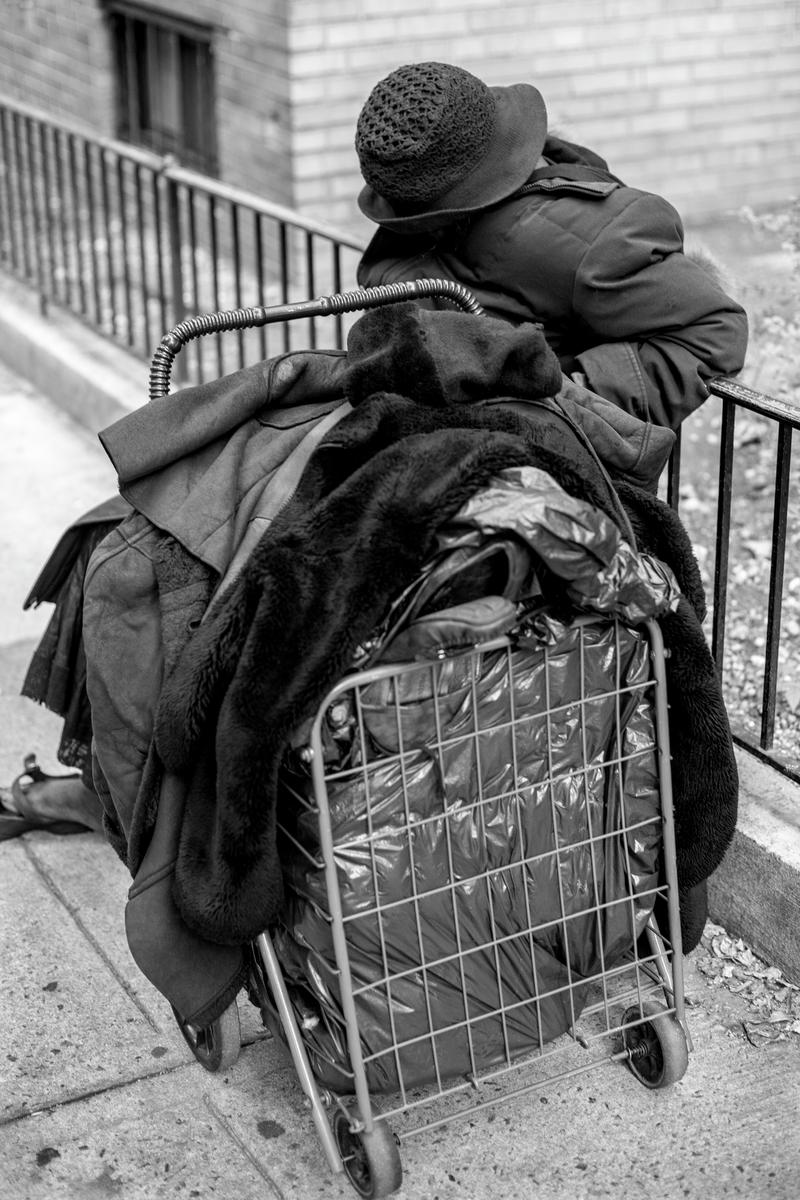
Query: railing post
x,y
674,473
37,196
775,601
723,535
175,254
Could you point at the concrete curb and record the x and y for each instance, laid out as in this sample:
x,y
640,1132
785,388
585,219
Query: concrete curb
x,y
755,894
93,380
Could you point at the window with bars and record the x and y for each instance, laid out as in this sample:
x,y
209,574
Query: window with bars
x,y
165,74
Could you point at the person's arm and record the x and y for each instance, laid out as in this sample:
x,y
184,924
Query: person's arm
x,y
658,323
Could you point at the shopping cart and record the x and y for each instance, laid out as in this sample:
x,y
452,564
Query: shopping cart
x,y
475,844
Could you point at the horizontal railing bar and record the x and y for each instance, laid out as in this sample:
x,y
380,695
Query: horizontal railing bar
x,y
773,758
138,154
267,208
746,397
166,165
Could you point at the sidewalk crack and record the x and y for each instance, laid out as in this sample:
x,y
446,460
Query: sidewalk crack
x,y
96,945
222,1120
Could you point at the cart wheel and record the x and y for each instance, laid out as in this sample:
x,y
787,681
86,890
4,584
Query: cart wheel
x,y
215,1046
371,1160
658,1051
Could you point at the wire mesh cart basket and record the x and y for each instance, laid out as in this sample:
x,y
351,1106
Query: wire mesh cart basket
x,y
479,858
439,945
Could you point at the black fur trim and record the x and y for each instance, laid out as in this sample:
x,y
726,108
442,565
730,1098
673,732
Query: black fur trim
x,y
443,357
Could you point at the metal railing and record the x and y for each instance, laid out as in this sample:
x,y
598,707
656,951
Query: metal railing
x,y
133,245
756,731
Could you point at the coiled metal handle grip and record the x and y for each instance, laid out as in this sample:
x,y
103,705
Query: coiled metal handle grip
x,y
325,306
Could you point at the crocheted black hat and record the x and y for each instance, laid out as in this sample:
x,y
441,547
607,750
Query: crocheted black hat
x,y
434,139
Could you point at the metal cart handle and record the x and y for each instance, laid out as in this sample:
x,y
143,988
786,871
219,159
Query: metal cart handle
x,y
253,318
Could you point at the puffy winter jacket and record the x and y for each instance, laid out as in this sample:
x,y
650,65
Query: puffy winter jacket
x,y
602,267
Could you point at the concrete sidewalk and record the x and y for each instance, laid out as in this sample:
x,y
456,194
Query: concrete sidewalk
x,y
100,1096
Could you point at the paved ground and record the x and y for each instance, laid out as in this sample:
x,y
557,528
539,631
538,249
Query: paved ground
x,y
100,1098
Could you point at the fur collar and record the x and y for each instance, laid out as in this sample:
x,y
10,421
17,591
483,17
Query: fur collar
x,y
444,357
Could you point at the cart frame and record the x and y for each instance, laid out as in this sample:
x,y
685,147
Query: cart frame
x,y
657,973
655,1039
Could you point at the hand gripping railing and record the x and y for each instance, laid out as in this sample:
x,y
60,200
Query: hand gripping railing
x,y
252,318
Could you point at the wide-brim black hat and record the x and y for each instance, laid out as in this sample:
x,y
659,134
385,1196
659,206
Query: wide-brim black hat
x,y
435,143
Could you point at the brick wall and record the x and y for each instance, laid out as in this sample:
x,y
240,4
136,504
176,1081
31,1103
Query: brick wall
x,y
696,99
55,55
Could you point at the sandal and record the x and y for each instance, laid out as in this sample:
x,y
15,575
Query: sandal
x,y
15,821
